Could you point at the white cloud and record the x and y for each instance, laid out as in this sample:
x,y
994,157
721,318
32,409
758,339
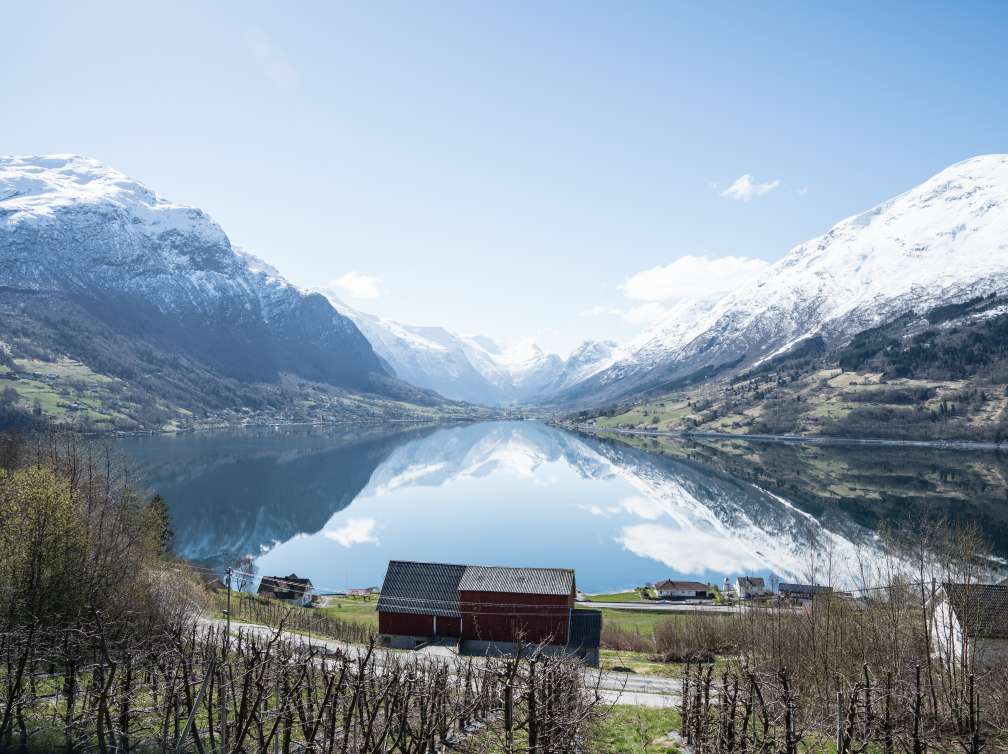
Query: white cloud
x,y
601,310
745,188
643,507
802,191
645,314
271,60
355,531
357,285
689,276
689,551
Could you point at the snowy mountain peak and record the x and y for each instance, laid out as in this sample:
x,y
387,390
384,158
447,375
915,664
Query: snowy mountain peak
x,y
943,241
35,189
472,367
72,228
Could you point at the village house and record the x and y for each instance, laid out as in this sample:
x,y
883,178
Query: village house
x,y
292,589
681,590
361,592
750,587
483,609
971,621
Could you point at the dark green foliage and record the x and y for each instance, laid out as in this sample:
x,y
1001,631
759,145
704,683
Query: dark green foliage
x,y
700,375
161,520
892,396
800,356
975,349
952,311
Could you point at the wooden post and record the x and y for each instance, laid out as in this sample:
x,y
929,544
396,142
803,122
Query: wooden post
x,y
839,723
222,698
918,743
974,713
196,704
533,722
508,718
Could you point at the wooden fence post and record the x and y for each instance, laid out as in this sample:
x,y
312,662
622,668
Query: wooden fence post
x,y
195,707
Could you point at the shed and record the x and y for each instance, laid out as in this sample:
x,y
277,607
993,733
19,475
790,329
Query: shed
x,y
971,620
482,607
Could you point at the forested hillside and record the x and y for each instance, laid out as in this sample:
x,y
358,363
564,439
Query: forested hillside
x,y
940,375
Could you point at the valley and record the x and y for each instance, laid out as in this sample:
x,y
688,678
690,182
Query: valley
x,y
121,310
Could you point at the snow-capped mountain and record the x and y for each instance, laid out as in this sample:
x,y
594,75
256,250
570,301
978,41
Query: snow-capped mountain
x,y
137,267
473,368
942,242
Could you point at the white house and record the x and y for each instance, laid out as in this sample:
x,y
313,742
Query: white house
x,y
681,590
971,622
750,587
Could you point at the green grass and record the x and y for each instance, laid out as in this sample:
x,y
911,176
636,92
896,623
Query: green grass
x,y
615,597
353,609
642,621
638,663
628,729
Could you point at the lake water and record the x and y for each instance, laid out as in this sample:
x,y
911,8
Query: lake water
x,y
336,504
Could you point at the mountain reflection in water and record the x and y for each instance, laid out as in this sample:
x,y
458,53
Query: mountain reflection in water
x,y
335,504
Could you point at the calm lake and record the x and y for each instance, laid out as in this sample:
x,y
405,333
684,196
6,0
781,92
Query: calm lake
x,y
335,503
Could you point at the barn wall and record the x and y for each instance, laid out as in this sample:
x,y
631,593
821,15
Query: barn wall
x,y
449,627
405,624
499,617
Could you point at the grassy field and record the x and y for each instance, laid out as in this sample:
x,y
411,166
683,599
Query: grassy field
x,y
638,663
355,609
636,730
616,597
642,621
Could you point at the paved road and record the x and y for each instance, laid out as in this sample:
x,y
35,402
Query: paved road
x,y
615,688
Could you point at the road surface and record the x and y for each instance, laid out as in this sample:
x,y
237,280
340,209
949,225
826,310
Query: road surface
x,y
615,688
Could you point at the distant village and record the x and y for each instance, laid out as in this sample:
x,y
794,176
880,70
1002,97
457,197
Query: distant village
x,y
479,609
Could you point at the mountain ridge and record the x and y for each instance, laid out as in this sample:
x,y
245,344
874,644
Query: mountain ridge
x,y
96,267
473,368
864,269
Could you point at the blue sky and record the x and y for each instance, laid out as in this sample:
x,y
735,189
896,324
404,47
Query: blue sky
x,y
511,169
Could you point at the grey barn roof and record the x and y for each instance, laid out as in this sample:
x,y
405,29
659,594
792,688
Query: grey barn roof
x,y
551,581
981,609
424,588
685,586
432,588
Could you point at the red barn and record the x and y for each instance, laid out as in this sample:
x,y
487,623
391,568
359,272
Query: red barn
x,y
483,607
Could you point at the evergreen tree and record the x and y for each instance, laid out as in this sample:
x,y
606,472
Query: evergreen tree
x,y
162,521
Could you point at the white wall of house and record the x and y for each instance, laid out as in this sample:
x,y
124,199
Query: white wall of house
x,y
745,592
679,594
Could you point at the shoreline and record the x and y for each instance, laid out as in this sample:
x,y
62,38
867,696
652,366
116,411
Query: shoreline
x,y
277,425
802,439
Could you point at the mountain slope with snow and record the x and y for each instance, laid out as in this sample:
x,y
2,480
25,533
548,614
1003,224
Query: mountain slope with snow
x,y
97,267
944,241
473,368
